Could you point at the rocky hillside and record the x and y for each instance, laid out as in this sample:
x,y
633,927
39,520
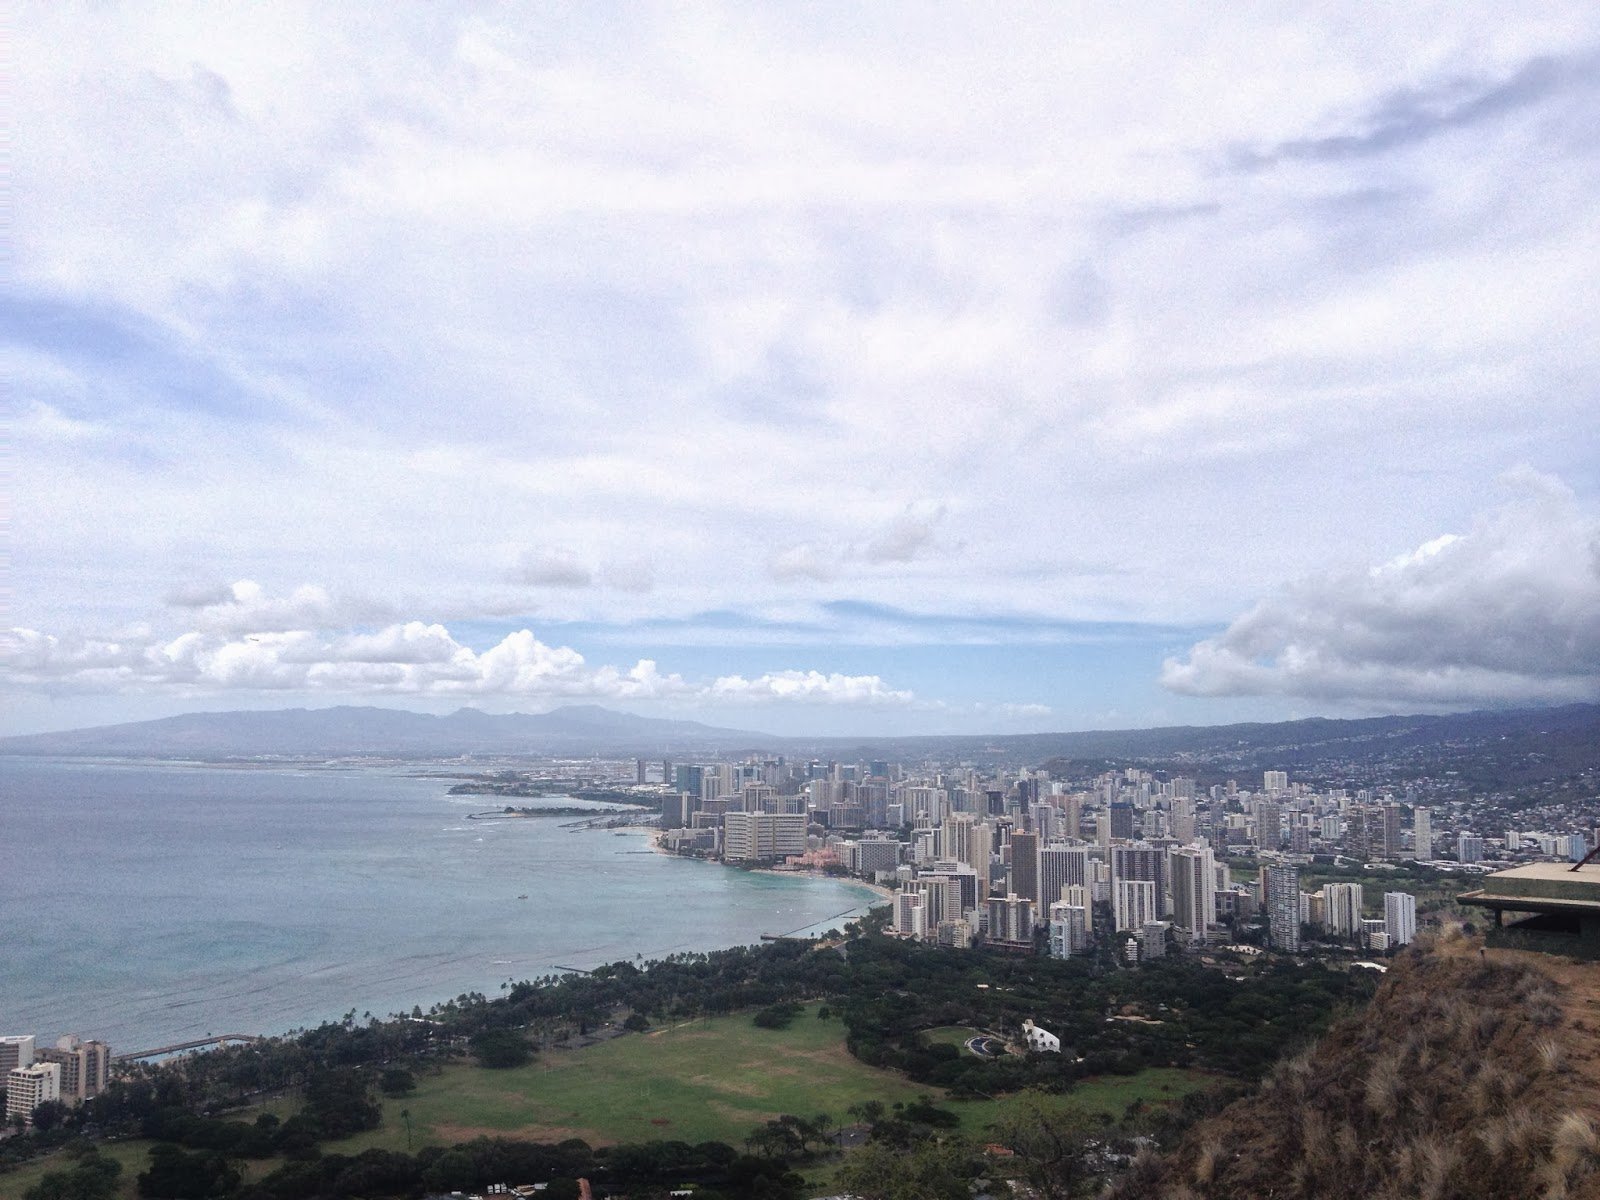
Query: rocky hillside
x,y
1469,1077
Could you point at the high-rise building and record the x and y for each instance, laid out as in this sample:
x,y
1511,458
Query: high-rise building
x,y
1469,848
1072,816
942,897
1193,874
1060,867
1142,862
873,854
751,836
29,1087
15,1051
1341,909
85,1067
910,915
1363,834
1269,824
1024,877
1122,820
1273,782
1422,833
1011,920
1069,930
1399,917
1133,903
1280,885
1392,825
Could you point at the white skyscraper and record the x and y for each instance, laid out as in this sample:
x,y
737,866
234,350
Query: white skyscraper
x,y
1399,917
910,916
1061,867
29,1087
1341,907
1133,904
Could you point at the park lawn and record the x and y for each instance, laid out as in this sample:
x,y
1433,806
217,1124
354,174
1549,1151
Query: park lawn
x,y
133,1155
1102,1094
951,1035
713,1079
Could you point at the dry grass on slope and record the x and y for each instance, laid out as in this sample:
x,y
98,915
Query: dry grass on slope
x,y
1469,1077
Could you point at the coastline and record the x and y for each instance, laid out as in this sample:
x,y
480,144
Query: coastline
x,y
884,893
233,954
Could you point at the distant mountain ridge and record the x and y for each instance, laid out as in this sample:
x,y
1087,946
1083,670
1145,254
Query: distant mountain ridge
x,y
1537,738
352,730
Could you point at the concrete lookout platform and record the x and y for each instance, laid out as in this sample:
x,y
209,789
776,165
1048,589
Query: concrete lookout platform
x,y
1556,908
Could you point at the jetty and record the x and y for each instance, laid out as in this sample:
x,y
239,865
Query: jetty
x,y
179,1047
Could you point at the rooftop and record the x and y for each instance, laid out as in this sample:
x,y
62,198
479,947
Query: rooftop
x,y
1540,887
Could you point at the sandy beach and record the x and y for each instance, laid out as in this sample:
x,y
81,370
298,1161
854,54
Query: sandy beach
x,y
887,894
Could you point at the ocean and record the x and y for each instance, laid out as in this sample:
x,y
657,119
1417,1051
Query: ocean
x,y
152,903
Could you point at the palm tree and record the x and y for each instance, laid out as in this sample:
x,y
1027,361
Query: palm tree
x,y
405,1115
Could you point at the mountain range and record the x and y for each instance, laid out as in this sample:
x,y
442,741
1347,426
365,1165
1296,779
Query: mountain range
x,y
1569,734
387,732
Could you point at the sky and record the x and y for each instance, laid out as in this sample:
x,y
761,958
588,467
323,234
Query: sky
x,y
818,369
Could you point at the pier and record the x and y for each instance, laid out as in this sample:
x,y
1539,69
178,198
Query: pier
x,y
179,1047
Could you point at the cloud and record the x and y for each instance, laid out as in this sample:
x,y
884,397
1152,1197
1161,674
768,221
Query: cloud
x,y
247,607
1412,115
413,658
805,561
728,290
564,572
902,539
809,687
1507,612
551,570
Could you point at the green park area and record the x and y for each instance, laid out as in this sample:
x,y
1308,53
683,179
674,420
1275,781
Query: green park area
x,y
713,1079
133,1155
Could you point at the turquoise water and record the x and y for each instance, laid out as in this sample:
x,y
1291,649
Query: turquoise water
x,y
153,903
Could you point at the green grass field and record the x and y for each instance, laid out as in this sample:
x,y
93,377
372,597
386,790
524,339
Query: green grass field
x,y
950,1035
1105,1094
134,1157
713,1079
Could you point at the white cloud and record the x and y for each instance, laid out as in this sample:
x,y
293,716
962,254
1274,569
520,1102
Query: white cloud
x,y
410,659
247,607
805,561
900,540
733,305
1507,612
810,687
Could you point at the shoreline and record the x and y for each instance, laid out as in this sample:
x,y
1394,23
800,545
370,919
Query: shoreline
x,y
883,893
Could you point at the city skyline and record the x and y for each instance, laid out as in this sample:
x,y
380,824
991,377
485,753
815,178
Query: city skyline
x,y
884,372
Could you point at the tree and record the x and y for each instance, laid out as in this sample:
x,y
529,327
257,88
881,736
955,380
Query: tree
x,y
930,1170
1052,1141
397,1081
175,1175
48,1115
500,1049
91,1177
